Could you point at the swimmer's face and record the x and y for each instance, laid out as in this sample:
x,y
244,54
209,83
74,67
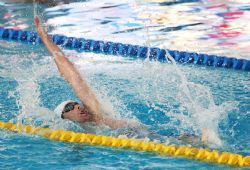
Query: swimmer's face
x,y
78,114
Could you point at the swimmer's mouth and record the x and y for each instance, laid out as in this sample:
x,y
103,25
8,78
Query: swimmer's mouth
x,y
83,113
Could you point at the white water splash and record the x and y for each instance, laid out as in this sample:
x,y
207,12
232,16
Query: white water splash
x,y
197,109
26,72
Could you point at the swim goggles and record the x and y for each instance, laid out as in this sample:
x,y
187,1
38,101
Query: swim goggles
x,y
68,107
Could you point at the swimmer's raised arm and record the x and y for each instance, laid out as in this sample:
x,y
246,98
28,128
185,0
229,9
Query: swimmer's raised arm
x,y
69,72
80,86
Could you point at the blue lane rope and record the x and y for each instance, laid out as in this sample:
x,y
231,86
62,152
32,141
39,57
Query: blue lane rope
x,y
126,50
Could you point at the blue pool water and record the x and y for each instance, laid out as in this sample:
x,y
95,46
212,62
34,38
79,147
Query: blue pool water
x,y
167,99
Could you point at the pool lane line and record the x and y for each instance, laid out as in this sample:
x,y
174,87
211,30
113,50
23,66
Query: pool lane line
x,y
200,154
126,50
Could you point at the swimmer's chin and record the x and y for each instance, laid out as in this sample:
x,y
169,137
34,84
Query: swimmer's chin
x,y
83,118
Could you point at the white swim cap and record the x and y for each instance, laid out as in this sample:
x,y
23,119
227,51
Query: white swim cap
x,y
59,109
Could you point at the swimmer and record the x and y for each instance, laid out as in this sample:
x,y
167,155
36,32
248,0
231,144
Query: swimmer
x,y
90,109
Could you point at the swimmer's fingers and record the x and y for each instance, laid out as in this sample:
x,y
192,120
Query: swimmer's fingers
x,y
123,136
40,30
204,136
36,21
182,136
39,27
38,24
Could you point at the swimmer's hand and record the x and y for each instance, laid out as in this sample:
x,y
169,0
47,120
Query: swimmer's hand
x,y
39,28
45,37
192,139
37,21
204,136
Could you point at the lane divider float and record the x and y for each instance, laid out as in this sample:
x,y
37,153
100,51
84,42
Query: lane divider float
x,y
126,50
200,154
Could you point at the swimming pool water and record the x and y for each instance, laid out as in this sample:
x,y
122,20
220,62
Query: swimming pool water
x,y
149,92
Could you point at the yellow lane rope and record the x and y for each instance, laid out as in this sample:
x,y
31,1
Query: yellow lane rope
x,y
207,155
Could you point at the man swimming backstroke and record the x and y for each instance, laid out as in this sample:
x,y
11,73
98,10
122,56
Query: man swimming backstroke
x,y
90,109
